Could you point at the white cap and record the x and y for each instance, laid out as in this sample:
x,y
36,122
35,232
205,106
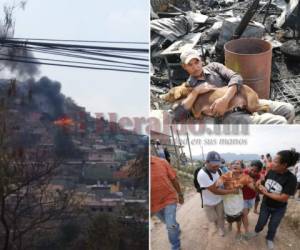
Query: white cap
x,y
187,55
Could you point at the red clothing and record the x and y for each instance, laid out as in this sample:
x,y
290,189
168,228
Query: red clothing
x,y
249,193
163,192
268,166
263,174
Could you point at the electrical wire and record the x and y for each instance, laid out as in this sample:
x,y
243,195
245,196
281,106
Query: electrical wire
x,y
69,54
66,61
63,45
120,58
80,41
72,66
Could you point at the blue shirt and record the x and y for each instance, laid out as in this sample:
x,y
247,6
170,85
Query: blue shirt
x,y
224,169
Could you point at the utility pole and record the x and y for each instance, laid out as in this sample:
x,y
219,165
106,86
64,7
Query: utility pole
x,y
187,135
179,141
202,152
176,153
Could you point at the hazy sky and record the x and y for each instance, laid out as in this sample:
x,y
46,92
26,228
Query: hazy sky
x,y
112,20
262,139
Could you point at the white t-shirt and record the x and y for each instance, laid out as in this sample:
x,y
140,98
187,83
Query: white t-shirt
x,y
204,181
233,203
297,167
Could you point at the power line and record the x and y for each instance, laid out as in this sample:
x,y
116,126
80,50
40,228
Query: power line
x,y
124,63
91,52
66,61
81,41
69,54
72,66
107,55
66,53
63,45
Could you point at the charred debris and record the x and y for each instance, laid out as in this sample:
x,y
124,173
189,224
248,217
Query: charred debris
x,y
206,25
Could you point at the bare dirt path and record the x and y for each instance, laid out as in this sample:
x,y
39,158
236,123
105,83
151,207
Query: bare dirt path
x,y
197,234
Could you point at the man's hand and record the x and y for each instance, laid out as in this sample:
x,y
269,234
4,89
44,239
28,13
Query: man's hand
x,y
262,189
219,182
180,199
219,106
203,88
234,191
188,102
258,183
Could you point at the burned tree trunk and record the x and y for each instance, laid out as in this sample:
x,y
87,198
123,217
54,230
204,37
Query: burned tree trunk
x,y
5,225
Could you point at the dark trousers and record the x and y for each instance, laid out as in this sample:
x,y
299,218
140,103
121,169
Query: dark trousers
x,y
275,215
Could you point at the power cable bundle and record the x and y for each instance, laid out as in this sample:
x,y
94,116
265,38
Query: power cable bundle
x,y
92,54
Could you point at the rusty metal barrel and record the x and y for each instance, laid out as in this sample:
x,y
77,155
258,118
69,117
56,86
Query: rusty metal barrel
x,y
252,59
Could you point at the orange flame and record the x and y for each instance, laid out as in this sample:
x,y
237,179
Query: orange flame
x,y
64,122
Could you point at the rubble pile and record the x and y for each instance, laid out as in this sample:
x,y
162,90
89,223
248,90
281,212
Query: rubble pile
x,y
206,25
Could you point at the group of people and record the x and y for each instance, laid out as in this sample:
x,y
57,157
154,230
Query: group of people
x,y
229,193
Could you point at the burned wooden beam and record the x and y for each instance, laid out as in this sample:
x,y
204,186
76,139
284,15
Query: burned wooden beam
x,y
267,11
298,25
245,20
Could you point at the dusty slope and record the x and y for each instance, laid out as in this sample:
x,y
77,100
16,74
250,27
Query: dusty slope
x,y
196,234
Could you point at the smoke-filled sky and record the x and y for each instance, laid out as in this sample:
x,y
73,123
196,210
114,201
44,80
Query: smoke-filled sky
x,y
99,91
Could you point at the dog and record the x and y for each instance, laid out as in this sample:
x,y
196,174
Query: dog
x,y
230,182
177,93
246,99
